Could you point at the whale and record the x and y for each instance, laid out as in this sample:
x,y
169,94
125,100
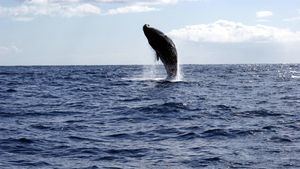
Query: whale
x,y
164,48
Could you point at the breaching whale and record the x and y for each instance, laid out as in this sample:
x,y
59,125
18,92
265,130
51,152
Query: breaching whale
x,y
164,47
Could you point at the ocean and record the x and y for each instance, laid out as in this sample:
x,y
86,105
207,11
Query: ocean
x,y
111,117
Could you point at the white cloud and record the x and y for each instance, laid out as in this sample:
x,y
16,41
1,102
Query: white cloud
x,y
29,9
223,31
131,9
50,1
81,10
138,6
32,8
158,2
264,14
8,50
37,1
146,2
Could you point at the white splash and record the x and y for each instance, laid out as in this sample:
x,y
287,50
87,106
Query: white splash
x,y
152,71
295,74
179,76
156,72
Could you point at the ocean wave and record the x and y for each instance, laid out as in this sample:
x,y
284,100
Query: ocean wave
x,y
133,152
169,107
280,139
230,133
257,113
29,163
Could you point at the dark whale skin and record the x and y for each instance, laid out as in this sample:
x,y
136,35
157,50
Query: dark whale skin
x,y
164,47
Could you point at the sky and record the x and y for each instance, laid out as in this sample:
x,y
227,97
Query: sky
x,y
105,32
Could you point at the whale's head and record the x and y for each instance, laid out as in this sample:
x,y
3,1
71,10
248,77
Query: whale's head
x,y
147,28
151,33
148,31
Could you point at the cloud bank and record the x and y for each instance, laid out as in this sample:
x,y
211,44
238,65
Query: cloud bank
x,y
44,8
223,31
28,9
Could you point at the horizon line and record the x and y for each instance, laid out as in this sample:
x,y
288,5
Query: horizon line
x,y
146,64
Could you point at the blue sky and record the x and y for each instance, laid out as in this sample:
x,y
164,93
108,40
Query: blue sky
x,y
95,32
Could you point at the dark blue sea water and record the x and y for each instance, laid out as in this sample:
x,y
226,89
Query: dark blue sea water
x,y
216,116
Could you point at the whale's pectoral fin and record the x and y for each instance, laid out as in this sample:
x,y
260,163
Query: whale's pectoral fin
x,y
157,56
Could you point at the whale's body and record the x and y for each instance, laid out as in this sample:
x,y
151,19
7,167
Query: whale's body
x,y
165,49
